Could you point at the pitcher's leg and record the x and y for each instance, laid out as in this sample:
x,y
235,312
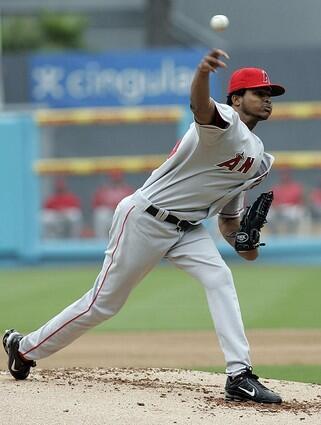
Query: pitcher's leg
x,y
127,261
197,255
225,311
61,330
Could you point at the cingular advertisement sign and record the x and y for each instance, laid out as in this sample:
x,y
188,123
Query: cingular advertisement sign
x,y
122,78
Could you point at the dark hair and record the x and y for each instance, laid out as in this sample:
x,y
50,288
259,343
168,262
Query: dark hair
x,y
240,92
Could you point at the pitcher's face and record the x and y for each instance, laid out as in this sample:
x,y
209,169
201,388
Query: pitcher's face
x,y
257,103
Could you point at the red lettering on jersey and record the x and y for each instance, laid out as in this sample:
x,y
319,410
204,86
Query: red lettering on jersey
x,y
173,151
246,165
231,163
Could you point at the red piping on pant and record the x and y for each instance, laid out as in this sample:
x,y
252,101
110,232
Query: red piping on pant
x,y
92,303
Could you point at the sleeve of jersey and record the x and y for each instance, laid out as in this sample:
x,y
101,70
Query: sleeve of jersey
x,y
210,133
234,208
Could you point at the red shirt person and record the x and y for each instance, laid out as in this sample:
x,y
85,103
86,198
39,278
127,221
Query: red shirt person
x,y
110,194
62,198
61,213
288,191
288,207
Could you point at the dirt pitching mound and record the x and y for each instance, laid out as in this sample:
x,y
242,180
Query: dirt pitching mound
x,y
146,397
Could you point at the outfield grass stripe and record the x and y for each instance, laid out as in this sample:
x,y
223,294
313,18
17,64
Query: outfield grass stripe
x,y
167,299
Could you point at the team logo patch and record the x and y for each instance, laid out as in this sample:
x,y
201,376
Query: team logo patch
x,y
242,237
266,79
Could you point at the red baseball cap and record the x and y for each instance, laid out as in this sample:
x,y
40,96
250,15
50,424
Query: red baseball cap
x,y
250,78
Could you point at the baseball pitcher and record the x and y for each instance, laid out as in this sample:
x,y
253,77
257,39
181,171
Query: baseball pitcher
x,y
217,161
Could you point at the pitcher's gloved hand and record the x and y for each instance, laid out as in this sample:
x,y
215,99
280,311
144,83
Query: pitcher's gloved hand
x,y
254,218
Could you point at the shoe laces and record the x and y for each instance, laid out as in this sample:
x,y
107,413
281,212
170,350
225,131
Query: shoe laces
x,y
248,374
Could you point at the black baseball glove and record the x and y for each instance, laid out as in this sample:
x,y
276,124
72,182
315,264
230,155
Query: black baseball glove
x,y
254,218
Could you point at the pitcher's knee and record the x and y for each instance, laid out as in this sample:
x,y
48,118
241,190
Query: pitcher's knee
x,y
100,313
218,276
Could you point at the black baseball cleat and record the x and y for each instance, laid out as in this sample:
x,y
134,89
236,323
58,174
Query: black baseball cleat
x,y
18,367
246,387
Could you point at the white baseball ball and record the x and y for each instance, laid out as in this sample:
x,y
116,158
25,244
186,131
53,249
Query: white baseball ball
x,y
219,22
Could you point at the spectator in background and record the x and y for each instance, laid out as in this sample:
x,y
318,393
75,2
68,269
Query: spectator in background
x,y
288,211
106,199
61,213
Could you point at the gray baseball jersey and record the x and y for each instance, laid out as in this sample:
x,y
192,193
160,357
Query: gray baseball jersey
x,y
208,168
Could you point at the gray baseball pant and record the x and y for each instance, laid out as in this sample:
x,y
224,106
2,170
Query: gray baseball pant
x,y
138,241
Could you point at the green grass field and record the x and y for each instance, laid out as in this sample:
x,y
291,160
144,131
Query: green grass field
x,y
168,299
